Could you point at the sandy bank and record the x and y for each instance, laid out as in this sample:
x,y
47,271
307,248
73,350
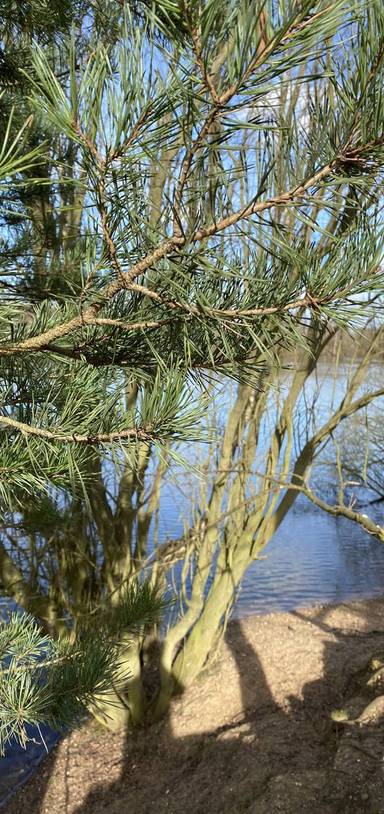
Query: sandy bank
x,y
253,735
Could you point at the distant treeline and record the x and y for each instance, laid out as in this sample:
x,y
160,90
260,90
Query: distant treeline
x,y
349,345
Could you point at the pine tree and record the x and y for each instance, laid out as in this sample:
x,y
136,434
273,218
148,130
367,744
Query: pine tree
x,y
175,222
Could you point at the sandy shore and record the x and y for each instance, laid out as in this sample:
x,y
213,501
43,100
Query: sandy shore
x,y
254,735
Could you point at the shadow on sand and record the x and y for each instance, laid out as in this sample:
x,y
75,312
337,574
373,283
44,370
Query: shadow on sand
x,y
283,758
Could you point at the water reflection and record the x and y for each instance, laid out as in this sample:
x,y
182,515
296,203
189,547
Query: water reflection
x,y
313,558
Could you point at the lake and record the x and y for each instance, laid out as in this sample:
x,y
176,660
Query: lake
x,y
313,558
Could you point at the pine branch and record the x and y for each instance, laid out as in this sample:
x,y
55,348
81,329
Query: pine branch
x,y
43,680
146,435
126,279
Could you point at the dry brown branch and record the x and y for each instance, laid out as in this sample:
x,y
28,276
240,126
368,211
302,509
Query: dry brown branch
x,y
147,435
206,76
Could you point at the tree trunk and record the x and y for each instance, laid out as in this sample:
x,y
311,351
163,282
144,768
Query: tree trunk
x,y
124,705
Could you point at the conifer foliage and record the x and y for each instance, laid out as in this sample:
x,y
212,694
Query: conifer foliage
x,y
183,185
45,680
135,253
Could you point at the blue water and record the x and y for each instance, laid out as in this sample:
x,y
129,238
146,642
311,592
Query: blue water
x,y
18,764
313,558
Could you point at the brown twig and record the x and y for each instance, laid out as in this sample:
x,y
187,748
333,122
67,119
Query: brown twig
x,y
207,78
148,434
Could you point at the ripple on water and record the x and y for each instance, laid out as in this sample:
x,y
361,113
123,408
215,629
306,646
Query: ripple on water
x,y
313,558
